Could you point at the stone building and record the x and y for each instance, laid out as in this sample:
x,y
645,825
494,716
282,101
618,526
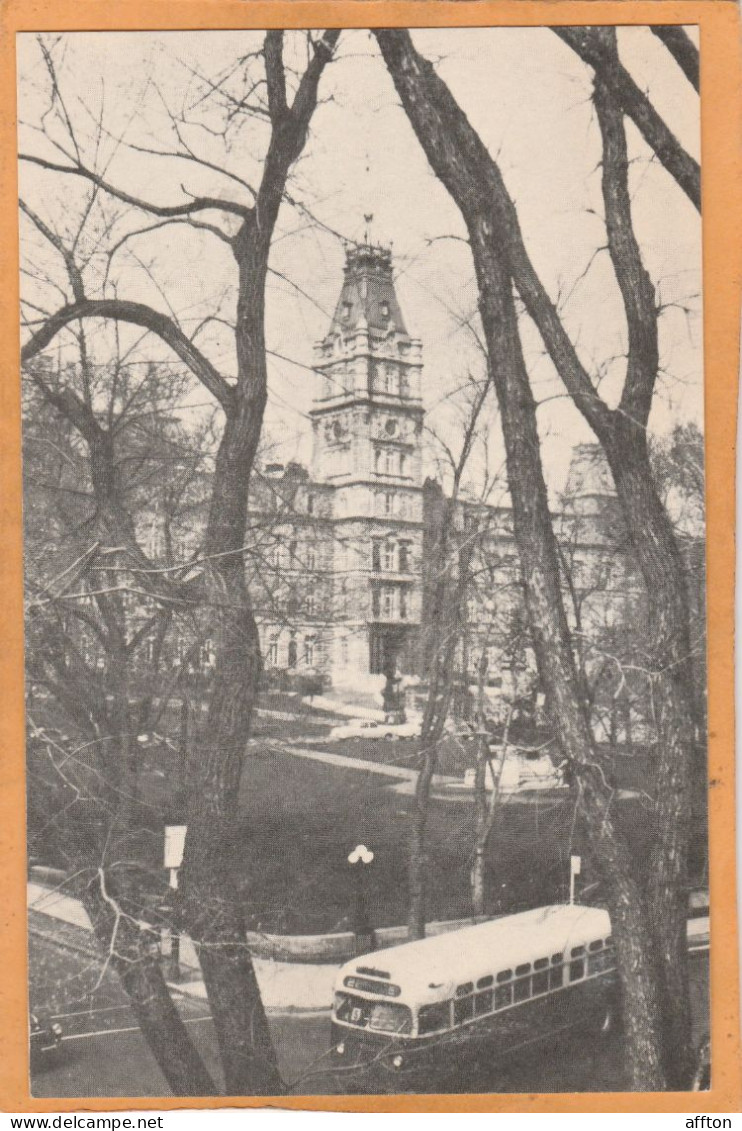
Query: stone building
x,y
345,566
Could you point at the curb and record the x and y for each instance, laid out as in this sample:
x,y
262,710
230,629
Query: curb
x,y
82,947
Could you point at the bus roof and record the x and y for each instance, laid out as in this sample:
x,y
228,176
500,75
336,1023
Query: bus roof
x,y
431,968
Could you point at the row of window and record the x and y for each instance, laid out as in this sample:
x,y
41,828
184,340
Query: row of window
x,y
389,461
393,504
510,987
299,557
311,650
389,556
307,604
390,602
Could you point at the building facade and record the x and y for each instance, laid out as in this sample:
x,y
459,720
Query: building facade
x,y
344,576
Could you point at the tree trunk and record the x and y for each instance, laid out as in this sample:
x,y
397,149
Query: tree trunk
x,y
417,866
129,951
550,633
212,907
445,614
482,827
483,812
464,166
680,782
211,903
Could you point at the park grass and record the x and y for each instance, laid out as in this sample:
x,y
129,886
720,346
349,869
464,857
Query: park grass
x,y
299,819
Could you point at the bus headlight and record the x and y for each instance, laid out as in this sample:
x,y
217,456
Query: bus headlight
x,y
340,1049
397,1061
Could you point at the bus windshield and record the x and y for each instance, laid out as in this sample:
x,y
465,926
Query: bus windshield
x,y
390,1018
383,1016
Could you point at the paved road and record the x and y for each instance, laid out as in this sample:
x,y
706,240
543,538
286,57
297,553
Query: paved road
x,y
103,1053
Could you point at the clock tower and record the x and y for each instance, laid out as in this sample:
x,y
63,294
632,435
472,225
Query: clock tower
x,y
367,424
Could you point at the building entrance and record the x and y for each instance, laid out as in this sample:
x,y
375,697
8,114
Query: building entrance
x,y
392,649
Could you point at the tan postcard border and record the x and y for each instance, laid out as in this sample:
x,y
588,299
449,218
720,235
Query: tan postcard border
x,y
722,221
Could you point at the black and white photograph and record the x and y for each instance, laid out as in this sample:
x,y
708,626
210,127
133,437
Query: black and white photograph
x,y
364,561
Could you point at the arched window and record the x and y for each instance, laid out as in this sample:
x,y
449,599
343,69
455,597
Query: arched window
x,y
272,656
292,653
310,650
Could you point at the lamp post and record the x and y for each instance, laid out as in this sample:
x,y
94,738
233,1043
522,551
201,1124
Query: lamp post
x,y
359,860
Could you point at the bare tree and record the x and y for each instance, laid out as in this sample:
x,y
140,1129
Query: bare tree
x,y
211,906
448,572
467,170
101,648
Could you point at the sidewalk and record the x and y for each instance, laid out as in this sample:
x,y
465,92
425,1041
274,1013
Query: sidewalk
x,y
285,987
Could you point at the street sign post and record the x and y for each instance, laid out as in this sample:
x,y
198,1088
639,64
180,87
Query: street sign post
x,y
575,866
172,859
174,847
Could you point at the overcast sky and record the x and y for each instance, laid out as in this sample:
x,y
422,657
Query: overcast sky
x,y
529,97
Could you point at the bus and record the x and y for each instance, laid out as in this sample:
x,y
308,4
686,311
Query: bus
x,y
418,1008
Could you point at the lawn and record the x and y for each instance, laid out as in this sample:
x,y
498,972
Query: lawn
x,y
299,819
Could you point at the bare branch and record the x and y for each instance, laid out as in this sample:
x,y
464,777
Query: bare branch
x,y
140,315
590,45
683,50
198,204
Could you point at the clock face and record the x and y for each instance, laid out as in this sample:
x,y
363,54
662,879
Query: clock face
x,y
391,427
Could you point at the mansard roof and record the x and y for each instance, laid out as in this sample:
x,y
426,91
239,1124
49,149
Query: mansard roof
x,y
368,297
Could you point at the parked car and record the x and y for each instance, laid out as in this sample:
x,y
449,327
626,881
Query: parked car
x,y
45,1037
519,773
370,728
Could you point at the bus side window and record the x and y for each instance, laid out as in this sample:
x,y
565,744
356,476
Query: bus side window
x,y
484,999
484,1002
522,989
463,1010
540,982
433,1018
503,996
556,976
577,965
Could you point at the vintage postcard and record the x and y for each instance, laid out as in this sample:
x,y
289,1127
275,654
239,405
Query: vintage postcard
x,y
368,407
